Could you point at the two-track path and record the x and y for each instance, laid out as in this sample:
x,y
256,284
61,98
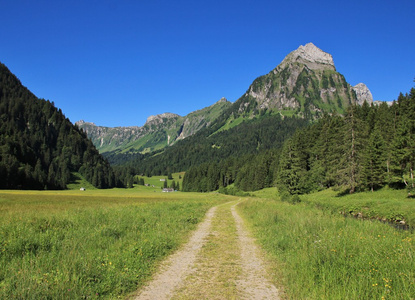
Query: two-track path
x,y
220,261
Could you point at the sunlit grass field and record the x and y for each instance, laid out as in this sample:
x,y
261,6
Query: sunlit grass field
x,y
319,254
106,243
97,243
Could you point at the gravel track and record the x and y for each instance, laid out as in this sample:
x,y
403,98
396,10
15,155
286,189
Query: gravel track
x,y
183,275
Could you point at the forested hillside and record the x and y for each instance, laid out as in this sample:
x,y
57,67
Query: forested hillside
x,y
209,146
39,147
367,148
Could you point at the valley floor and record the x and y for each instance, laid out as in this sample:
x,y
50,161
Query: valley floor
x,y
144,244
220,261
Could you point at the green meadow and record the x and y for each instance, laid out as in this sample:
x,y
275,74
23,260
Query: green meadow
x,y
317,253
389,205
92,244
107,243
157,182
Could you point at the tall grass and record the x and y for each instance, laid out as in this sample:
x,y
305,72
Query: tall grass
x,y
65,250
319,255
387,204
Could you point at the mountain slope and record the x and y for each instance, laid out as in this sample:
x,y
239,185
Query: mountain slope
x,y
305,84
39,147
158,132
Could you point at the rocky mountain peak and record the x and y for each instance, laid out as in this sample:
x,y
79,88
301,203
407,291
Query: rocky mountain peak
x,y
312,56
222,100
307,82
363,94
82,122
157,119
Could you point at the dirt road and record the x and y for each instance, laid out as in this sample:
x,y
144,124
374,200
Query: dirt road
x,y
220,261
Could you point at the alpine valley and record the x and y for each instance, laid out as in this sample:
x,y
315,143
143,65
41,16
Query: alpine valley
x,y
301,127
300,133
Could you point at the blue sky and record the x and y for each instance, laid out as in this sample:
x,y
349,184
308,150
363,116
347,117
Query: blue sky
x,y
115,63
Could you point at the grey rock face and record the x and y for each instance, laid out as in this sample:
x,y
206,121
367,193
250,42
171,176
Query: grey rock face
x,y
158,119
363,94
306,81
311,56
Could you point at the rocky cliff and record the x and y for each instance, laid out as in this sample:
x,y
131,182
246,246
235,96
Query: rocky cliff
x,y
305,83
363,94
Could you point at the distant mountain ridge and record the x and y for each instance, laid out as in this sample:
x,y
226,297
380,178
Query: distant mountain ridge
x,y
305,84
158,132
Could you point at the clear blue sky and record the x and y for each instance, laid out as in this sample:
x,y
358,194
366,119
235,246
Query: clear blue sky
x,y
116,62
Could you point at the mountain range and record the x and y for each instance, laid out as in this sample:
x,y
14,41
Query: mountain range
x,y
158,132
305,84
301,116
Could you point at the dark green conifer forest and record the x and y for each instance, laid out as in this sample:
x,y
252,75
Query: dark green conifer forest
x,y
39,147
220,150
367,149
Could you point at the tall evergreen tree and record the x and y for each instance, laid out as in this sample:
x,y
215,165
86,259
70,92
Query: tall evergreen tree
x,y
403,149
292,167
374,168
355,134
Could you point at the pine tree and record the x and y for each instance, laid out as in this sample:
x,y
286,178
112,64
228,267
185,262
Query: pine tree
x,y
374,168
403,155
130,181
327,153
350,166
292,167
386,118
